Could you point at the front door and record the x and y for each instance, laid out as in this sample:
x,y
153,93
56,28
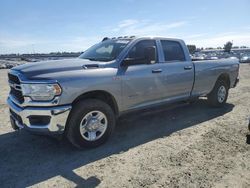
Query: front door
x,y
142,83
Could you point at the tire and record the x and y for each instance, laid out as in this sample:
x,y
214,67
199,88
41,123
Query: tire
x,y
85,120
219,94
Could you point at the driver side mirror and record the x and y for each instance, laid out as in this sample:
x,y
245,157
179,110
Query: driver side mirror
x,y
128,62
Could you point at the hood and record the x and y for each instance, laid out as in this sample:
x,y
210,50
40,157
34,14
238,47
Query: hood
x,y
56,66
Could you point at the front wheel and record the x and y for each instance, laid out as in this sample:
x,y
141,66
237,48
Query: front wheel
x,y
90,123
219,94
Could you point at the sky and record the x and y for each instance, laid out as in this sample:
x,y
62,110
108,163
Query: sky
x,y
42,26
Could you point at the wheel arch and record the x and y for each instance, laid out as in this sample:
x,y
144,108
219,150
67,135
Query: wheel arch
x,y
225,77
101,95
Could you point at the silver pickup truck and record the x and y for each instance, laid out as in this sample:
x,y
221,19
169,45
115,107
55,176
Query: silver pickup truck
x,y
82,98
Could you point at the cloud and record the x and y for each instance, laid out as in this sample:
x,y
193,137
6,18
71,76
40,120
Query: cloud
x,y
15,42
127,23
194,36
145,27
20,44
176,24
220,39
149,28
80,43
29,43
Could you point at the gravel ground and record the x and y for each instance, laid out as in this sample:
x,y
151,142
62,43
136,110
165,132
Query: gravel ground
x,y
185,146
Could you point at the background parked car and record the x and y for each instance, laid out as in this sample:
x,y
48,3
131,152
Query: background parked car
x,y
9,66
2,66
245,59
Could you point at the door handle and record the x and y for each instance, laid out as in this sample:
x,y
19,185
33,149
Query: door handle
x,y
156,70
188,67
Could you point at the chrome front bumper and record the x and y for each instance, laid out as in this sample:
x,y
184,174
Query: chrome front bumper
x,y
57,118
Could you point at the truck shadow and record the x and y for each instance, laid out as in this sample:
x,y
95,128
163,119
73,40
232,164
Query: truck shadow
x,y
28,159
248,139
248,135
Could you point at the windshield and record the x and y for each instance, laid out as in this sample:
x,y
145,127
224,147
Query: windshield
x,y
107,50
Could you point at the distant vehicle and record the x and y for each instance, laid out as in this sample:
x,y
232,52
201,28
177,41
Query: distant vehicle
x,y
83,97
233,57
245,59
9,66
29,59
2,66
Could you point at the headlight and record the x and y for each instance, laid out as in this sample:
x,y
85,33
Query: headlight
x,y
41,92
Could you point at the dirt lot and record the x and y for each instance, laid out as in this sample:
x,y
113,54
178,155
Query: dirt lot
x,y
186,146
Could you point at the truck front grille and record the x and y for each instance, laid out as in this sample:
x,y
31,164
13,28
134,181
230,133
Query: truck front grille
x,y
15,88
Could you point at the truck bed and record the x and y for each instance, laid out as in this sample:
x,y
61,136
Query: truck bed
x,y
207,72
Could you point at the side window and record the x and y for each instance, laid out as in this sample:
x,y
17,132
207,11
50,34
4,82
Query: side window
x,y
138,51
172,51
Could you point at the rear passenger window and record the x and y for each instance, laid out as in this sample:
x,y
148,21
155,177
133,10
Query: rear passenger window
x,y
172,51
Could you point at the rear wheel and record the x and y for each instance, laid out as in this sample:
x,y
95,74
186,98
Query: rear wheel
x,y
219,94
90,124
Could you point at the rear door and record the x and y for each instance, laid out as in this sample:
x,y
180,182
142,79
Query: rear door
x,y
178,71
